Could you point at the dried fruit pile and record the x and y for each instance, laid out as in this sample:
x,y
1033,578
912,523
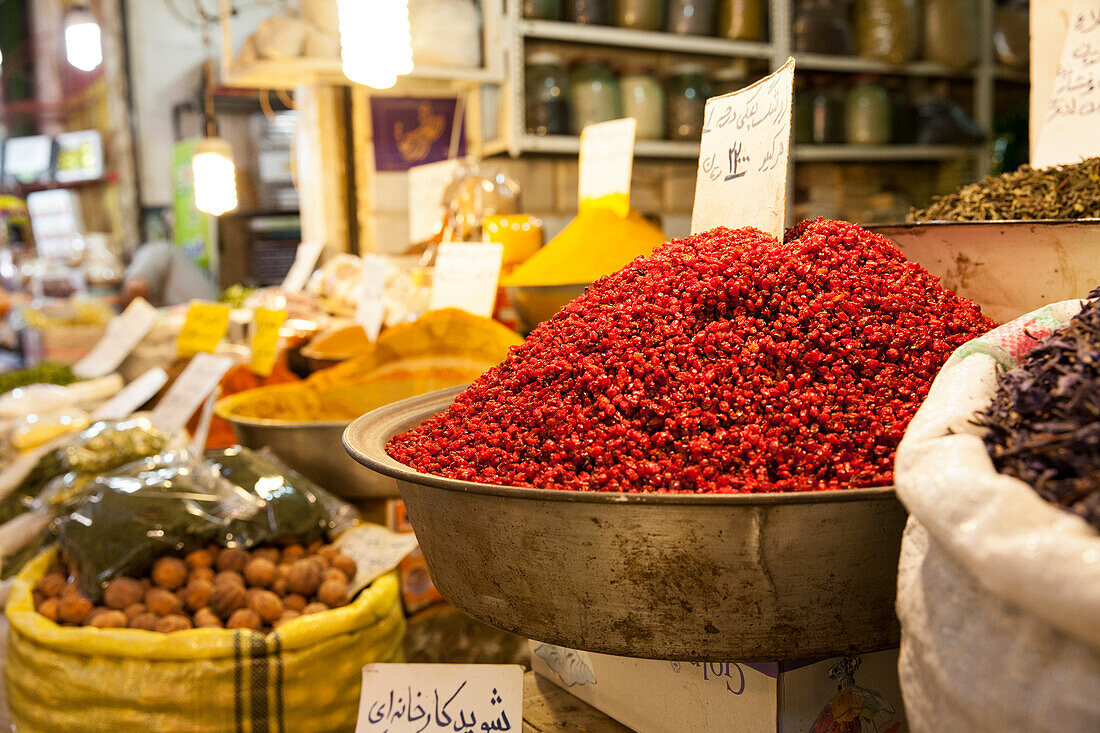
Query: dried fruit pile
x,y
1043,420
211,588
725,362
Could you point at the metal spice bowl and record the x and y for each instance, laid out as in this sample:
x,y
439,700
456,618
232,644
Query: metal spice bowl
x,y
689,577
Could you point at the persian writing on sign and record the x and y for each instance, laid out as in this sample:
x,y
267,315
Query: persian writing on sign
x,y
742,178
1072,115
413,698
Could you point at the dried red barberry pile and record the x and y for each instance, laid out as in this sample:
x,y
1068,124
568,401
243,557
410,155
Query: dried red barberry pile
x,y
725,362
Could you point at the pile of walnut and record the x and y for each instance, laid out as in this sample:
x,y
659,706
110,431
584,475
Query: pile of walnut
x,y
232,588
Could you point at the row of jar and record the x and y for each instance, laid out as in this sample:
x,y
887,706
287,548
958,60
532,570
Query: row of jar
x,y
742,20
561,102
871,112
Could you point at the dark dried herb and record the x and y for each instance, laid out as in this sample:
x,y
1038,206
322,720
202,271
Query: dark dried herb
x,y
1044,422
1061,192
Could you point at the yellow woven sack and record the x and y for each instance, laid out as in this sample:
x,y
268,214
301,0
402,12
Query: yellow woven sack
x,y
304,677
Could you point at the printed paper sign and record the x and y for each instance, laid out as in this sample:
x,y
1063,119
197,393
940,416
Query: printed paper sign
x,y
305,258
413,698
1072,115
426,186
742,179
370,311
123,335
198,380
265,340
203,328
466,276
606,159
132,396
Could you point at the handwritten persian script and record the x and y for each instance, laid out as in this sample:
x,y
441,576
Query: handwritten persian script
x,y
742,179
413,698
1072,115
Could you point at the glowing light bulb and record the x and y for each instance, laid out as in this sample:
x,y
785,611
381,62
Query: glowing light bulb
x,y
215,176
375,41
83,47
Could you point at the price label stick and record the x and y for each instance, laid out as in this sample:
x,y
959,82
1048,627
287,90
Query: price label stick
x,y
427,184
194,383
370,311
305,258
132,396
123,335
742,179
265,340
203,328
466,276
606,162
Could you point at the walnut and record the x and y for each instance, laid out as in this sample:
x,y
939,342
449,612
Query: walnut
x,y
229,576
73,608
340,561
50,608
304,578
201,574
51,584
333,593
334,574
294,602
314,607
169,572
293,552
288,615
162,602
244,618
109,618
232,558
122,592
207,619
260,572
279,587
147,621
134,609
267,605
173,622
199,559
227,598
268,553
197,594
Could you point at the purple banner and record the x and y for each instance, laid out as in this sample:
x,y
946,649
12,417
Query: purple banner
x,y
412,131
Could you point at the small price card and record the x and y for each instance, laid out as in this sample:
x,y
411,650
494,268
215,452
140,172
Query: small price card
x,y
413,698
265,340
203,328
132,396
1071,118
195,382
305,258
426,186
606,161
465,276
123,335
370,311
742,178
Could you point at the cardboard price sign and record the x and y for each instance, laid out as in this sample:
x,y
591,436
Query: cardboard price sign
x,y
742,179
203,328
370,311
305,258
191,388
123,335
606,163
265,340
466,276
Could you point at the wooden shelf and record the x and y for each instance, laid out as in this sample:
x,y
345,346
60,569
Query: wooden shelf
x,y
602,35
571,145
289,74
859,65
881,153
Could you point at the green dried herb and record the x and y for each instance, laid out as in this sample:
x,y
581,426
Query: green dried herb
x,y
1061,192
44,373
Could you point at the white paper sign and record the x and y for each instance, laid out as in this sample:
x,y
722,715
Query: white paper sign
x,y
426,186
606,159
123,334
742,179
466,276
413,698
304,260
190,389
375,550
1071,120
370,311
132,396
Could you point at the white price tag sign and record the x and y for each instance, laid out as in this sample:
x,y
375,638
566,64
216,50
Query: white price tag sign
x,y
742,180
412,698
123,335
190,389
1071,118
305,258
375,550
466,276
370,311
606,160
132,396
426,186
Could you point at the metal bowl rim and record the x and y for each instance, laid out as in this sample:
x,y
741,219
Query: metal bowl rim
x,y
986,222
221,410
582,285
383,419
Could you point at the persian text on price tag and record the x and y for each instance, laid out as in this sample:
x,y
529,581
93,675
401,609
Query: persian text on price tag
x,y
123,334
606,161
203,328
465,276
195,382
304,260
265,340
370,311
411,698
742,178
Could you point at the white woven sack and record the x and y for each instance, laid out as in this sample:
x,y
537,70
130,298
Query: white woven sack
x,y
998,591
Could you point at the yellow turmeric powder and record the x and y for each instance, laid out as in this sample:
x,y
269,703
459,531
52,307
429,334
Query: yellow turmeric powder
x,y
340,342
597,242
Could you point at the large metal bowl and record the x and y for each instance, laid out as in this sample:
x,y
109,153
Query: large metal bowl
x,y
745,577
537,303
310,448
